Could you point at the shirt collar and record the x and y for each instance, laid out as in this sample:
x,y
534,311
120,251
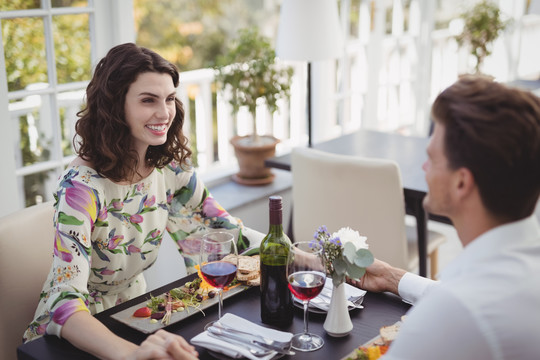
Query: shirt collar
x,y
499,239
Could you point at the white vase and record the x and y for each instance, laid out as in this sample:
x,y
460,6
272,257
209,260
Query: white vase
x,y
338,321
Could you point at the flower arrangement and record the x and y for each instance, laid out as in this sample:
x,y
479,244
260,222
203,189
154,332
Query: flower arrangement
x,y
346,253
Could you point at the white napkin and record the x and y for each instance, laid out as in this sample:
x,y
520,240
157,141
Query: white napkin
x,y
232,350
322,301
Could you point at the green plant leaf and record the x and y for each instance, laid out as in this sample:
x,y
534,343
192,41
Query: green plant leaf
x,y
349,251
340,267
355,272
364,258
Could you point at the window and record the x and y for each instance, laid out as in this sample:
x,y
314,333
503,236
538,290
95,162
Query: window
x,y
47,51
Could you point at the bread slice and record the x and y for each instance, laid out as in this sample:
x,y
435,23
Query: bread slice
x,y
248,264
247,276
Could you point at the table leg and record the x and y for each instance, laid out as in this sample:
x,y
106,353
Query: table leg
x,y
421,230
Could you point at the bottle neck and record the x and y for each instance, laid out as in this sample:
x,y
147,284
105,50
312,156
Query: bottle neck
x,y
276,217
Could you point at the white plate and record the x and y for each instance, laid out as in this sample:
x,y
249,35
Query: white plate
x,y
144,325
325,296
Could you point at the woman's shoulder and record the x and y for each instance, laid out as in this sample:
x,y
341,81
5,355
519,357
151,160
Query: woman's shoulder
x,y
78,161
81,171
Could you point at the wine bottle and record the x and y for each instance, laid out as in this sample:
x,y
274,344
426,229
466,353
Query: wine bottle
x,y
276,298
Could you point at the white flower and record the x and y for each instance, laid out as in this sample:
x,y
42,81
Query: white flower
x,y
348,235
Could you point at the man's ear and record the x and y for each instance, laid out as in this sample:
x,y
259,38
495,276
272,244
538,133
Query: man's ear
x,y
463,182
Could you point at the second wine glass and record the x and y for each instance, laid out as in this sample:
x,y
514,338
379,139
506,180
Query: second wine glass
x,y
306,276
218,267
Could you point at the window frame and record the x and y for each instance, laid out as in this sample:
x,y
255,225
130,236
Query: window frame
x,y
110,23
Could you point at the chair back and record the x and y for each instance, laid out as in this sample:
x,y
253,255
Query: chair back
x,y
26,246
363,194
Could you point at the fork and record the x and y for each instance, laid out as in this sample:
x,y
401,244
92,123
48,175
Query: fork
x,y
254,349
271,342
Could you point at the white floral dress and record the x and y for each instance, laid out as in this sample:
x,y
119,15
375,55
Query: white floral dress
x,y
107,234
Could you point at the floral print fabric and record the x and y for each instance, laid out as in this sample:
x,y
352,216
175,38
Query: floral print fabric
x,y
107,234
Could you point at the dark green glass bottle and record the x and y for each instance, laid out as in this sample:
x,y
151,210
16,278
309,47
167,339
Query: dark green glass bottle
x,y
276,298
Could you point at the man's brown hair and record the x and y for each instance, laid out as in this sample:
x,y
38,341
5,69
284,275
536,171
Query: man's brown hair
x,y
494,131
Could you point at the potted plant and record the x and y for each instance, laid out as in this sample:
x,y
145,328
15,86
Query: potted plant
x,y
482,26
252,75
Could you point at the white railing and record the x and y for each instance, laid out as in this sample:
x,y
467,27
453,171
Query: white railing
x,y
214,126
396,103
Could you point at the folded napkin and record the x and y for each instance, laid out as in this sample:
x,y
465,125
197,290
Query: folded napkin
x,y
322,301
230,348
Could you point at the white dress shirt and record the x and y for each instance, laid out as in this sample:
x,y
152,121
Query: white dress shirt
x,y
486,306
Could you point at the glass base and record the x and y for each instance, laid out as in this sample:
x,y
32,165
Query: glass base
x,y
209,324
306,342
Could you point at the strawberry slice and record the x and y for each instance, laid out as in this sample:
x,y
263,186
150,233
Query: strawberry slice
x,y
143,312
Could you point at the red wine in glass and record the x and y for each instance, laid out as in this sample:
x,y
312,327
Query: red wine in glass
x,y
217,266
306,274
218,273
306,285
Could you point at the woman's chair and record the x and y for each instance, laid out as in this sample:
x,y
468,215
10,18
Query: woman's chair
x,y
364,194
26,247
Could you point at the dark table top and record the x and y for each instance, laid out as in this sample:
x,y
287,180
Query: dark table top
x,y
380,310
408,151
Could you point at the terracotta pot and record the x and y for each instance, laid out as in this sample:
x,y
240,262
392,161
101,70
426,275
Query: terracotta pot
x,y
251,157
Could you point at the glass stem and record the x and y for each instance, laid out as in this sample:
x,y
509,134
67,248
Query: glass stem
x,y
306,304
220,297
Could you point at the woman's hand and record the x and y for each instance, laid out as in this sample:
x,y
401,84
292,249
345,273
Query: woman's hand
x,y
164,345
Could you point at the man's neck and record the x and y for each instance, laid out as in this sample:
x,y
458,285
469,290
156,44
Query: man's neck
x,y
469,226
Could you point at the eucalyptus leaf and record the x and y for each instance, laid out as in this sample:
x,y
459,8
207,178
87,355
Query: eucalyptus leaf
x,y
349,251
340,267
355,272
337,279
364,258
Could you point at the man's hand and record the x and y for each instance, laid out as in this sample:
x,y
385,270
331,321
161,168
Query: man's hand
x,y
379,277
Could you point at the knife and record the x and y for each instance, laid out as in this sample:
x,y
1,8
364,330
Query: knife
x,y
246,340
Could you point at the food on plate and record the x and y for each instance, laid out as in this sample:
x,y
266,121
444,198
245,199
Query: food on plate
x,y
143,312
372,352
192,293
248,268
378,346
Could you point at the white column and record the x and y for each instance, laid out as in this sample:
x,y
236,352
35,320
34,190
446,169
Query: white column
x,y
8,180
374,56
426,11
114,24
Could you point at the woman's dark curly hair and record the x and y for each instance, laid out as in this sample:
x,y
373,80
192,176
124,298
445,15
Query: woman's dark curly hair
x,y
103,136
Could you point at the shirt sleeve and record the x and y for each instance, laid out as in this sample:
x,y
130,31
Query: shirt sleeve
x,y
194,211
66,289
423,337
412,287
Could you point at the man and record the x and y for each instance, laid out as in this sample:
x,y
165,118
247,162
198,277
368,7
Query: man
x,y
483,172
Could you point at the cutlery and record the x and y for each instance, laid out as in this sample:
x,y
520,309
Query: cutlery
x,y
268,341
247,340
353,304
257,351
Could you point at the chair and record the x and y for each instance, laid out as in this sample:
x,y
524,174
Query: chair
x,y
364,194
26,246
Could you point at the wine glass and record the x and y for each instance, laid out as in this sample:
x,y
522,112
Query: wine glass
x,y
218,267
306,275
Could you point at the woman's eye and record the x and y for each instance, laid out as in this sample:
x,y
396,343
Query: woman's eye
x,y
148,100
171,98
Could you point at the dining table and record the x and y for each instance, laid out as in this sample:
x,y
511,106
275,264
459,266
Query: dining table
x,y
380,309
409,152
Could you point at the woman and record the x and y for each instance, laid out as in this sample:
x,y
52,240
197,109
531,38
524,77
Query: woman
x,y
131,181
